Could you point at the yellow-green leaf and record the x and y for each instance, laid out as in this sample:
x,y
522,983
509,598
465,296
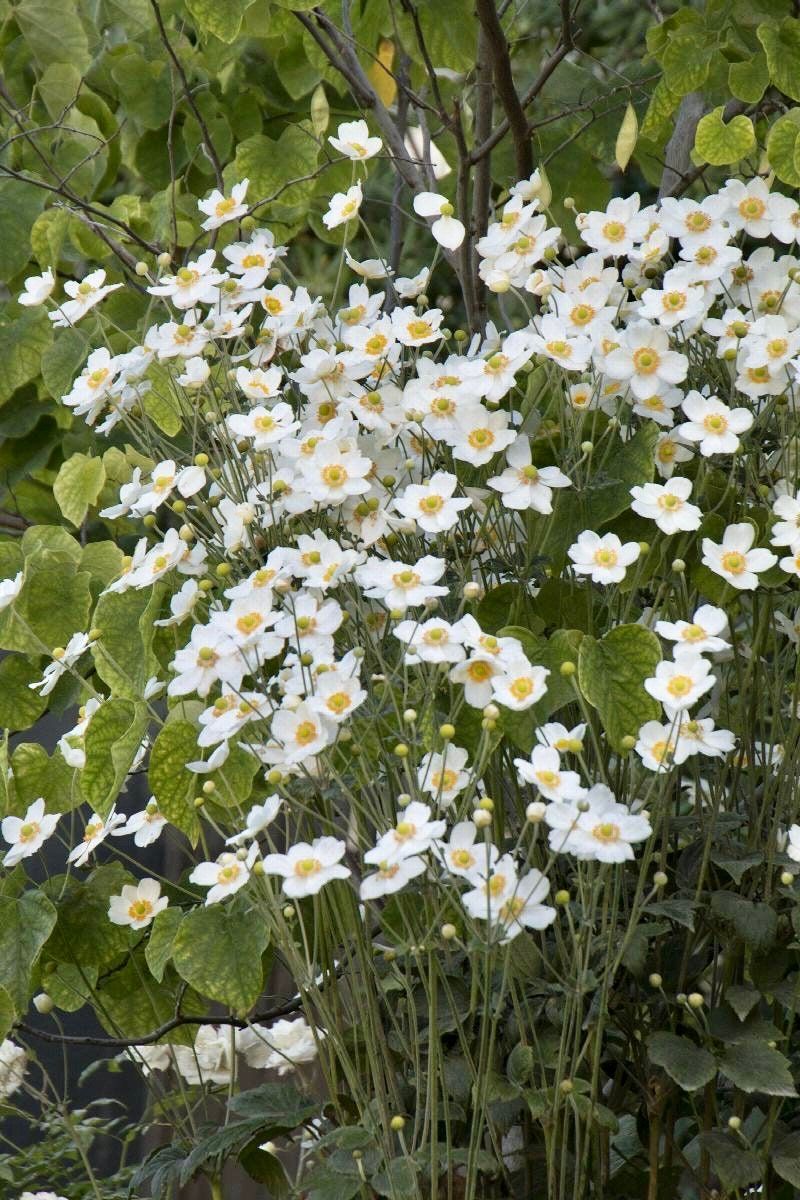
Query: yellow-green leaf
x,y
77,486
626,138
719,143
783,149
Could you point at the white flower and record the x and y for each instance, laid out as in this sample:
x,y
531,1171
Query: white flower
x,y
432,505
604,559
465,857
434,641
64,657
354,141
560,738
137,906
792,849
524,486
670,451
264,427
543,770
605,832
308,867
422,151
667,505
785,531
225,876
712,424
520,684
615,231
413,834
701,633
735,560
195,373
656,745
282,1047
443,775
258,818
219,208
196,283
681,683
84,296
391,877
477,435
401,585
146,826
446,229
413,328
13,1060
510,902
27,834
95,832
301,733
645,360
181,603
10,589
343,206
37,289
212,1058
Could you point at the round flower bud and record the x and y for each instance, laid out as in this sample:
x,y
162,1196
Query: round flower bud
x,y
149,521
587,447
141,268
644,548
472,590
95,635
289,912
410,716
199,801
628,742
491,712
567,668
535,811
678,566
681,997
562,897
401,750
481,818
223,570
179,506
396,614
274,777
403,800
258,867
583,806
242,853
655,980
209,787
186,533
568,203
448,932
397,1123
164,259
734,1123
695,1000
43,1003
447,731
787,878
566,1087
660,879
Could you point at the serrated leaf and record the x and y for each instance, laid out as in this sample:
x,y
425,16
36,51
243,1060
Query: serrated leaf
x,y
218,950
26,923
689,1065
781,42
78,485
611,674
114,735
275,1104
783,147
718,142
755,922
754,1066
172,785
735,1165
786,1159
34,624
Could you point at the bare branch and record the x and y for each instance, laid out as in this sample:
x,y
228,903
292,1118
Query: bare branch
x,y
497,46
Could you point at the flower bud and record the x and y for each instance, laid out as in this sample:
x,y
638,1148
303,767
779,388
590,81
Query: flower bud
x,y
660,879
447,731
397,1124
655,980
491,712
535,811
401,750
410,716
567,668
481,818
289,912
472,590
735,1123
141,268
562,897
43,1003
695,1000
448,932
787,878
164,259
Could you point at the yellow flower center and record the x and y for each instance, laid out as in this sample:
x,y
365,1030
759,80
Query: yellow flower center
x,y
334,475
680,685
693,633
431,504
559,349
646,360
670,501
225,206
614,231
582,314
404,830
304,867
697,221
479,439
249,623
512,908
606,557
305,733
606,831
462,859
521,688
338,702
479,671
419,329
733,562
139,910
29,831
444,781
752,208
376,344
549,779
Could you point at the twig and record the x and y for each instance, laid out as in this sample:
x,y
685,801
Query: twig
x,y
187,90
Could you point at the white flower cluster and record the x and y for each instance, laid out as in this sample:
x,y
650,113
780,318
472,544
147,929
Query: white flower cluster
x,y
353,456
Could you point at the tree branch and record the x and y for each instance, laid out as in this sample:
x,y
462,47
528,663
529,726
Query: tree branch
x,y
497,46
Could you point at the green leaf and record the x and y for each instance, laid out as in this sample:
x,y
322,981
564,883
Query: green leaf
x,y
686,60
218,950
130,1004
222,18
330,1185
62,360
172,785
19,705
689,1065
78,485
114,735
38,774
38,21
735,1165
158,950
7,1012
398,1179
786,1159
720,143
123,653
742,999
277,170
26,923
783,148
20,205
626,138
35,624
753,921
21,345
781,42
278,1104
611,674
84,936
748,80
754,1066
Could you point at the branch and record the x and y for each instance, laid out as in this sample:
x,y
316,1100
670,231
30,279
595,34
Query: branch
x,y
497,46
528,97
147,1039
677,160
187,91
